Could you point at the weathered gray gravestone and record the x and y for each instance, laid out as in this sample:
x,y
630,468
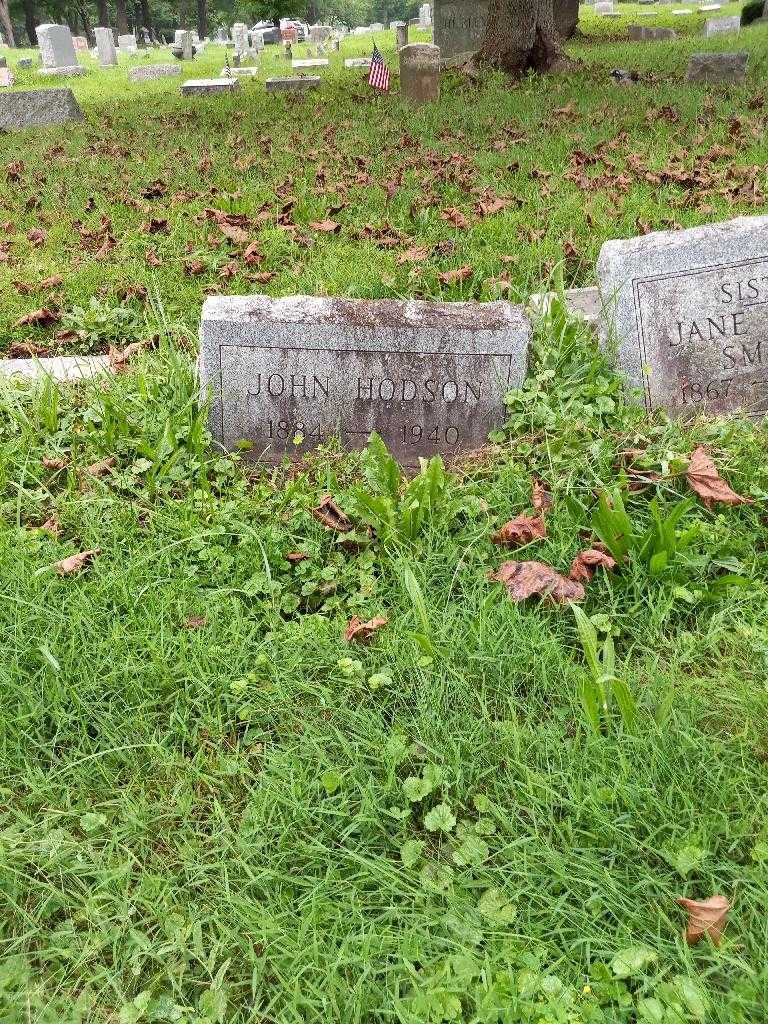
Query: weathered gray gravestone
x,y
718,26
640,33
420,73
687,310
207,86
730,68
150,72
105,45
459,28
293,84
401,34
286,374
38,108
57,51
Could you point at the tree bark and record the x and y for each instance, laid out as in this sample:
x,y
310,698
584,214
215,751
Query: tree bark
x,y
146,17
86,22
520,36
202,18
30,21
121,18
5,23
103,9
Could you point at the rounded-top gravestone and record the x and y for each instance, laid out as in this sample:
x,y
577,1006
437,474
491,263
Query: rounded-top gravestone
x,y
420,73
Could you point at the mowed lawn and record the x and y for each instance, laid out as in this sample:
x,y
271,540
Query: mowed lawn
x,y
214,808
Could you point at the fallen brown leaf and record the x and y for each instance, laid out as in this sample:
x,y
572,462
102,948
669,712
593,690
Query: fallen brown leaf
x,y
520,530
704,479
120,357
75,563
262,276
39,318
52,282
234,233
101,467
524,579
455,276
362,631
49,463
415,254
329,514
329,227
708,917
195,267
294,557
585,563
36,236
541,499
52,526
455,217
195,622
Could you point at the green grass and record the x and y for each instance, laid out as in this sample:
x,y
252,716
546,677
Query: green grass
x,y
251,153
236,822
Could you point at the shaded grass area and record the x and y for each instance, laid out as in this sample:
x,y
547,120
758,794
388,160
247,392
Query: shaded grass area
x,y
214,809
575,159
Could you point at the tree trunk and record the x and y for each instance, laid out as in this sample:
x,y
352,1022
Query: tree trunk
x,y
30,21
146,17
5,23
567,17
520,36
86,21
103,9
121,18
202,18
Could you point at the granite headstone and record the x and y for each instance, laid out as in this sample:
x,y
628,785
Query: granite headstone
x,y
687,312
286,374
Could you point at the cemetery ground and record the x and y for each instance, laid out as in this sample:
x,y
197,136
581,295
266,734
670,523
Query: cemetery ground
x,y
217,808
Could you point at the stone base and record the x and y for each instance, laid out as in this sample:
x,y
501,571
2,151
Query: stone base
x,y
239,72
154,71
61,368
64,72
206,86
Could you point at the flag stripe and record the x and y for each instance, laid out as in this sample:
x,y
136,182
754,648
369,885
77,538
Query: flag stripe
x,y
379,74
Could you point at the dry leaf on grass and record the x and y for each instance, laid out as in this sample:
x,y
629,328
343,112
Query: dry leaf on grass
x,y
455,276
704,479
101,467
541,499
75,563
39,318
329,227
120,357
454,216
708,917
585,563
362,631
520,530
52,526
294,557
50,463
329,514
195,622
524,579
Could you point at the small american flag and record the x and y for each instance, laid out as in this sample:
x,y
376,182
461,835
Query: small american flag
x,y
379,76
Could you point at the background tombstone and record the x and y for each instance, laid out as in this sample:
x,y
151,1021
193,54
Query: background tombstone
x,y
57,51
420,73
688,312
459,28
187,51
127,44
718,26
401,34
425,16
105,47
286,374
714,68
